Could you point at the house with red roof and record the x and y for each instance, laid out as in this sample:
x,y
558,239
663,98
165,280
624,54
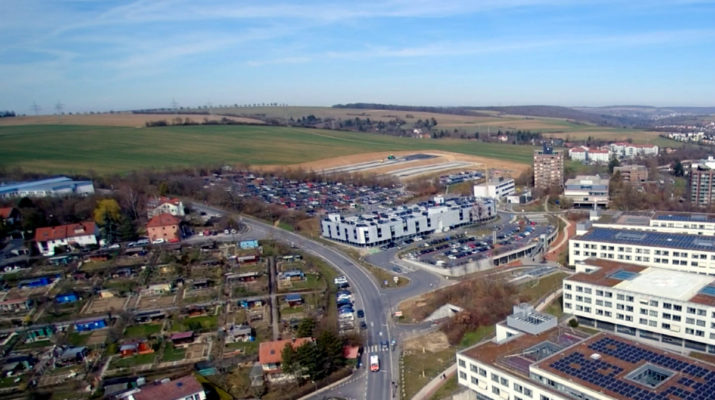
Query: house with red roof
x,y
164,205
163,226
186,387
270,354
72,235
10,215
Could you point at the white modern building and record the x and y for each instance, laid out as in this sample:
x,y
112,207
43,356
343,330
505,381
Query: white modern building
x,y
673,307
559,364
497,188
630,150
73,235
587,191
381,227
666,222
688,253
60,186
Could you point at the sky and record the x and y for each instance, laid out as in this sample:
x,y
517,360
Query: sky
x,y
101,55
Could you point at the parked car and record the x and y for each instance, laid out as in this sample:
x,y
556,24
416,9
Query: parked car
x,y
158,241
361,314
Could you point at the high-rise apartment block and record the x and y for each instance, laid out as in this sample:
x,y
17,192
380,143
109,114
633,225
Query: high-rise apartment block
x,y
702,182
548,168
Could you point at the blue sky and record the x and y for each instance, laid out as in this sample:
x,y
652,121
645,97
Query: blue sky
x,y
102,55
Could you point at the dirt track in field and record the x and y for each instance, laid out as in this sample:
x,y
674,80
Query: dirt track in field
x,y
441,157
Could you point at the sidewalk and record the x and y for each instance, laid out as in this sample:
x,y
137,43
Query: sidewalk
x,y
431,387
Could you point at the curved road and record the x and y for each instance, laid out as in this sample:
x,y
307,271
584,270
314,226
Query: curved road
x,y
368,294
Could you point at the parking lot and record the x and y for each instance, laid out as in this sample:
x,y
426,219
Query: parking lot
x,y
461,248
305,195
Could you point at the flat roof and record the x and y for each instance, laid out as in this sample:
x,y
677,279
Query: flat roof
x,y
668,283
650,281
650,239
687,217
630,219
605,363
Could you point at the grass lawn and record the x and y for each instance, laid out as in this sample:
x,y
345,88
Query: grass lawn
x,y
78,339
9,381
292,310
71,149
248,348
473,337
447,389
139,359
311,282
420,368
142,331
556,308
172,353
535,290
205,323
34,345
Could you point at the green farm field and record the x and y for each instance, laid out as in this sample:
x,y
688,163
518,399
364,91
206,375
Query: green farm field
x,y
103,149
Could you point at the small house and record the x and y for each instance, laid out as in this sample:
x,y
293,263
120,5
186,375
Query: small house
x,y
128,349
15,305
294,300
239,333
243,277
66,298
186,387
39,334
293,275
150,316
10,215
90,325
71,355
249,304
205,368
270,354
164,205
182,338
165,227
78,235
17,364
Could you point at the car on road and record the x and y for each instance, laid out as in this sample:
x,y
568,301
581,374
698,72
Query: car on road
x,y
142,242
361,314
158,241
385,345
374,363
363,325
397,269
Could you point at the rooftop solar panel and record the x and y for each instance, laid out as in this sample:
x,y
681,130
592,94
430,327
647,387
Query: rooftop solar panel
x,y
651,239
708,290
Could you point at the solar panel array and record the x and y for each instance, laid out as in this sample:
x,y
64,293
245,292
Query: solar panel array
x,y
708,290
694,382
652,239
685,217
624,275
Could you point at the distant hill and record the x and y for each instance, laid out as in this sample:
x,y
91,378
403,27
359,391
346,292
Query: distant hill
x,y
572,114
395,107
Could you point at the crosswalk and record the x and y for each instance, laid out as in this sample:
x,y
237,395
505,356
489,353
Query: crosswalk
x,y
375,348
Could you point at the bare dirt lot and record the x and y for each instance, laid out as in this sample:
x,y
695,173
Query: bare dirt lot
x,y
145,302
105,305
441,157
432,342
116,119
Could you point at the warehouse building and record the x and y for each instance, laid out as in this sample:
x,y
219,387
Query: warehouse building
x,y
673,307
59,186
688,253
381,227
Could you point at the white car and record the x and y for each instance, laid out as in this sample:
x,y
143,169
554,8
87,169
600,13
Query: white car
x,y
158,241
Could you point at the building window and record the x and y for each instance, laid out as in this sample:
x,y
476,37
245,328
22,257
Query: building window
x,y
495,377
504,382
475,381
462,375
462,363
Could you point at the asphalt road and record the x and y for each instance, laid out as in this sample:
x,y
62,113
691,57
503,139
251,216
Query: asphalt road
x,y
368,296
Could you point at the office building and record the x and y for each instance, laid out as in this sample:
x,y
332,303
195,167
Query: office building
x,y
688,253
497,188
702,182
548,168
632,173
559,364
673,307
665,222
381,227
587,191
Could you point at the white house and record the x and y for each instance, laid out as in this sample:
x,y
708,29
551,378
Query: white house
x,y
165,205
72,235
497,188
587,190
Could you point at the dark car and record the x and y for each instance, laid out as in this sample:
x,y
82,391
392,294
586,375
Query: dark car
x,y
361,314
363,325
